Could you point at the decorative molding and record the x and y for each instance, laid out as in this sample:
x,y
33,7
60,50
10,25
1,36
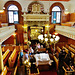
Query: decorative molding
x,y
36,17
66,31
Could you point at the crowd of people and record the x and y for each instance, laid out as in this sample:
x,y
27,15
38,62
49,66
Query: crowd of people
x,y
30,52
64,57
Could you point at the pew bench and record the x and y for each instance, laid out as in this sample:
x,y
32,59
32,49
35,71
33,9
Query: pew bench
x,y
70,48
5,71
66,50
15,70
58,49
56,61
6,56
12,58
67,69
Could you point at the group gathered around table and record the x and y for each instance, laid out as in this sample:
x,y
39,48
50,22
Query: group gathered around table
x,y
42,57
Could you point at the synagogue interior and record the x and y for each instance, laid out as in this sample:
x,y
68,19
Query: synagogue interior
x,y
37,37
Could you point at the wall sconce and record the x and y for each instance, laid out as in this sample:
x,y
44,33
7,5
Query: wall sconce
x,y
14,38
66,11
2,10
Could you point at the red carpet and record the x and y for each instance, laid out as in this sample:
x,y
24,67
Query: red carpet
x,y
48,73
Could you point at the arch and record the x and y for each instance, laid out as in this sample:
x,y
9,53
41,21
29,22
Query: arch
x,y
12,7
12,3
35,2
56,8
57,4
8,3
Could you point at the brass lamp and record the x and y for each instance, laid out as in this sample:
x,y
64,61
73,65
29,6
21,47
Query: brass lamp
x,y
27,63
48,39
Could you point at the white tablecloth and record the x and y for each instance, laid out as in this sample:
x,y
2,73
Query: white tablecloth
x,y
42,59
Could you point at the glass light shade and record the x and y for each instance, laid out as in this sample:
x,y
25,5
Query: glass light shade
x,y
47,25
46,39
49,34
57,38
36,30
29,63
39,37
53,36
1,11
14,34
45,35
52,40
42,30
42,38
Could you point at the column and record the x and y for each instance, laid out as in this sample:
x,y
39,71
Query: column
x,y
1,60
14,38
25,34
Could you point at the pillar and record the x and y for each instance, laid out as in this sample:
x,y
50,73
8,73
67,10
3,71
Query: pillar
x,y
25,34
1,60
14,38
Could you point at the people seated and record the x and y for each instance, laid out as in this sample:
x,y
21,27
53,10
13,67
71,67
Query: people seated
x,y
68,59
41,46
26,56
31,51
38,45
21,56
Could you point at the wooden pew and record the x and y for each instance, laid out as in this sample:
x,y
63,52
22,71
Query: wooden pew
x,y
3,49
66,50
12,58
65,67
18,60
15,70
56,61
8,47
58,49
70,48
5,71
6,56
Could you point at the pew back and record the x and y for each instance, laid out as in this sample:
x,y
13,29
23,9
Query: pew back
x,y
4,72
5,54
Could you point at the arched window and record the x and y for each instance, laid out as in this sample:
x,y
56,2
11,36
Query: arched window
x,y
13,14
56,15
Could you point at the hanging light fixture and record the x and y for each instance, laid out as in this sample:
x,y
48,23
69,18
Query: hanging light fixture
x,y
48,39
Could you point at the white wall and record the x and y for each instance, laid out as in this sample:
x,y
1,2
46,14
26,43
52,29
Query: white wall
x,y
72,6
68,5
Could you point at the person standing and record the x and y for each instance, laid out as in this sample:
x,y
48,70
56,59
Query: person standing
x,y
21,57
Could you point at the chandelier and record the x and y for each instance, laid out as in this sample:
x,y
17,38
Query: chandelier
x,y
48,39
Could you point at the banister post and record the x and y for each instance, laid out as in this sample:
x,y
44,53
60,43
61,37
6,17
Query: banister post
x,y
1,59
